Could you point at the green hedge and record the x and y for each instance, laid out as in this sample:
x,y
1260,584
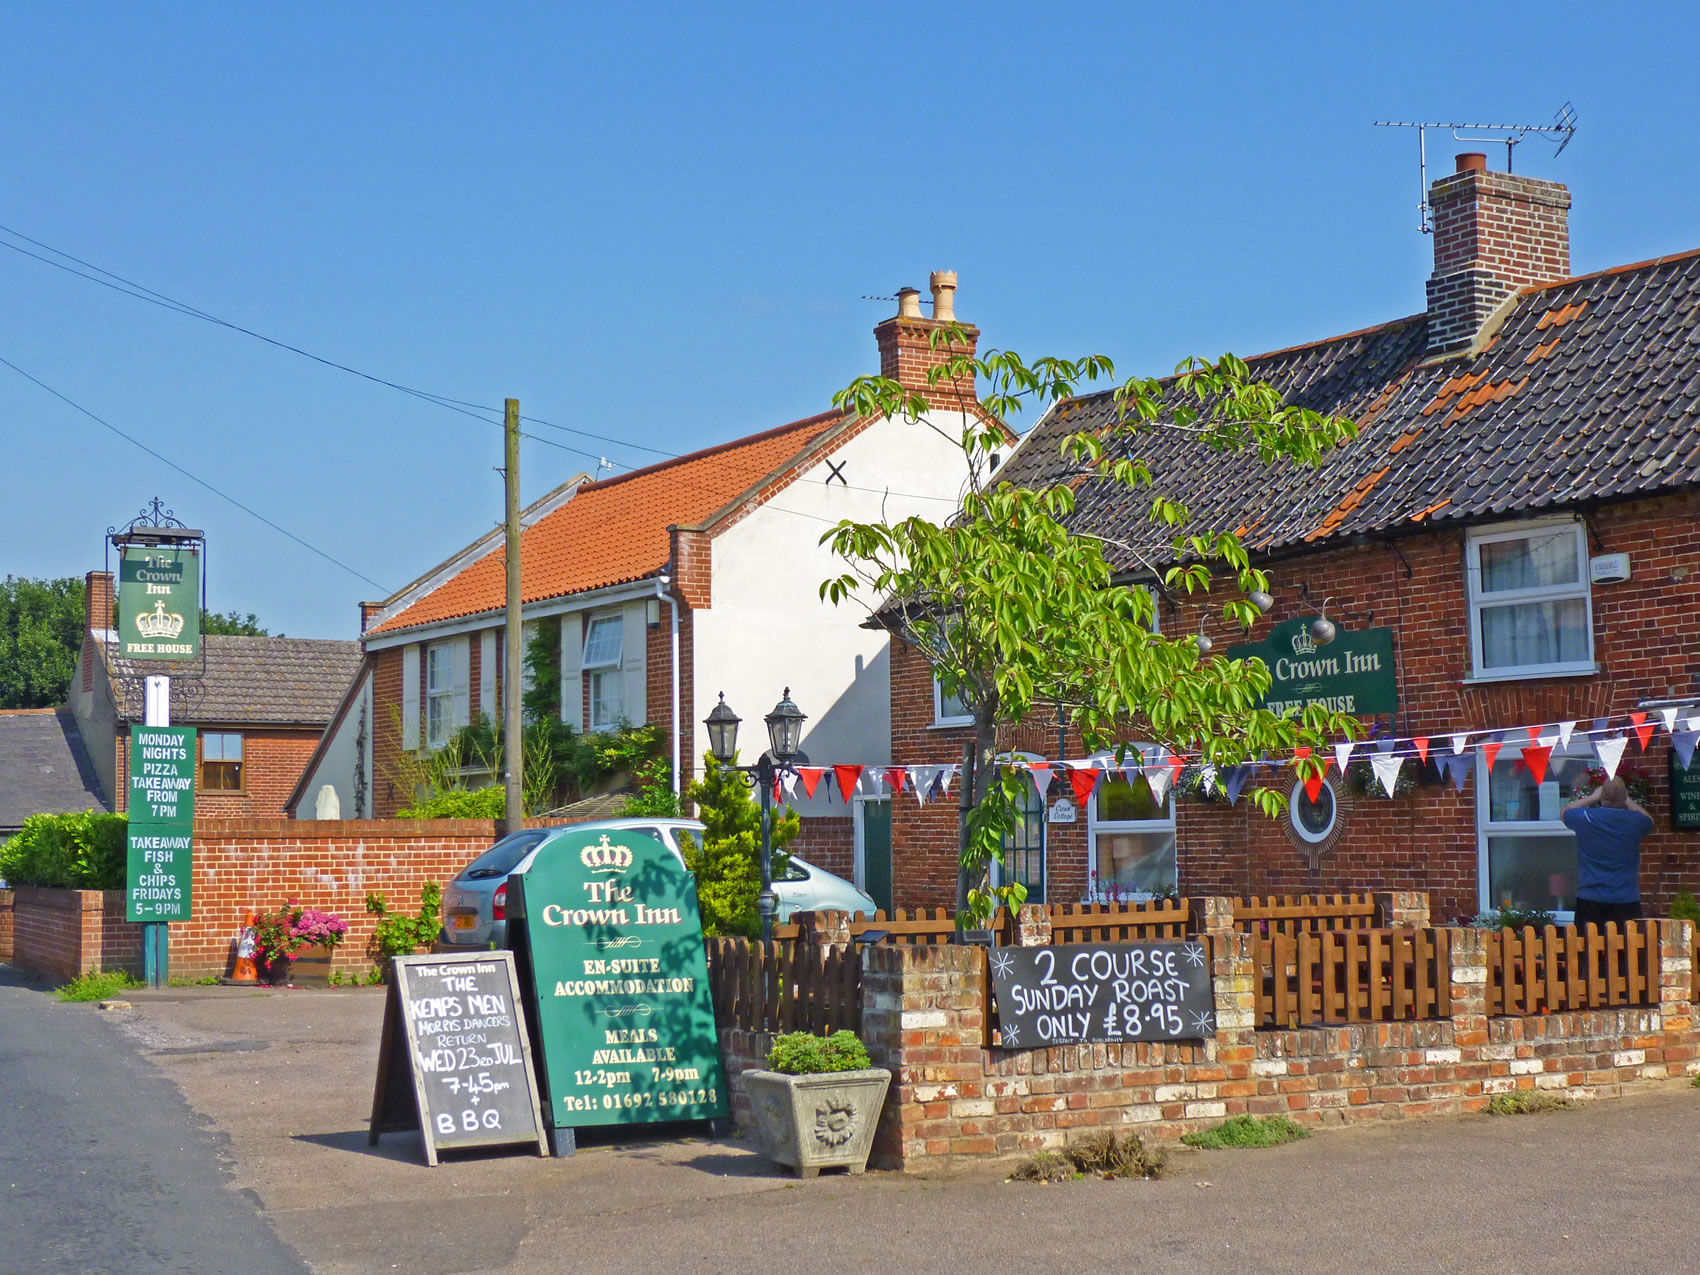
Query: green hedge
x,y
483,803
81,852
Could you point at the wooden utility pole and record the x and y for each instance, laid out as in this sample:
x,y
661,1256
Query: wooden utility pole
x,y
513,655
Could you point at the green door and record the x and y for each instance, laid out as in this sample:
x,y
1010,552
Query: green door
x,y
876,852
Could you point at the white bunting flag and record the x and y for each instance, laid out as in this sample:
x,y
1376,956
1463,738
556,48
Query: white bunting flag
x,y
790,779
1342,754
1387,769
921,782
1694,723
946,774
1611,753
1564,729
1158,777
1669,714
1459,742
1043,773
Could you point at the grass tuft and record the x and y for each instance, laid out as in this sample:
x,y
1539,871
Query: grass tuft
x,y
1527,1102
96,985
1247,1131
1103,1154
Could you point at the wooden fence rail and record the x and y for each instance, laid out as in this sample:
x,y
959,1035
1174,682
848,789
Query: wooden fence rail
x,y
785,986
1312,913
1352,976
1547,971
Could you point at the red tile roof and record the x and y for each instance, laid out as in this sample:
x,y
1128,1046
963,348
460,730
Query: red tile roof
x,y
615,530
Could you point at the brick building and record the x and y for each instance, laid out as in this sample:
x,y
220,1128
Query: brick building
x,y
1517,521
259,710
672,584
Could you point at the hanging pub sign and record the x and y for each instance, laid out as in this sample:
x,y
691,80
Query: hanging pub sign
x,y
454,1060
160,802
606,929
1352,674
159,602
1102,993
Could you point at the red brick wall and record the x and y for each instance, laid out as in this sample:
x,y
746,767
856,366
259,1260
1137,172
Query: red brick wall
x,y
60,934
658,688
272,762
5,925
1645,642
828,843
387,788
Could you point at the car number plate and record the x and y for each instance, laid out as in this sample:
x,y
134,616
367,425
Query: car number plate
x,y
465,920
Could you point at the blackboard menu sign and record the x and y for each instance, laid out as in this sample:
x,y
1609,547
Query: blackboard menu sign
x,y
610,942
1102,993
1684,793
455,1060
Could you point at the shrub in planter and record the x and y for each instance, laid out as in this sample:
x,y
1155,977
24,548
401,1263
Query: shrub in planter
x,y
280,935
818,1105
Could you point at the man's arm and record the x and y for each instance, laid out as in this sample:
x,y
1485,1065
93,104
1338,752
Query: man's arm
x,y
1592,799
1631,804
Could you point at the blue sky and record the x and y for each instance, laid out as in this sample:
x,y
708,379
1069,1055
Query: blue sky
x,y
657,223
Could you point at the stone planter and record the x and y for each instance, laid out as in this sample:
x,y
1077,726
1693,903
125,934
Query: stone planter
x,y
820,1121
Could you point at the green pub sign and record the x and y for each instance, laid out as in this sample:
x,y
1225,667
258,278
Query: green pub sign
x,y
609,931
160,799
159,603
1352,674
1684,793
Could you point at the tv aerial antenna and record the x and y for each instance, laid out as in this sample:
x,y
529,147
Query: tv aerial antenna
x,y
1561,130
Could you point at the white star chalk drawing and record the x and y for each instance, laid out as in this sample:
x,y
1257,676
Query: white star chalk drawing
x,y
1002,963
1011,1033
1195,954
1202,1022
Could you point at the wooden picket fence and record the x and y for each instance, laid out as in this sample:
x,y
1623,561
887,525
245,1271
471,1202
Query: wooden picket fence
x,y
1554,969
1306,913
1121,922
923,925
785,986
1352,976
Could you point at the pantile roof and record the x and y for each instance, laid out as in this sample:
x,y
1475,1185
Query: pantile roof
x,y
615,531
44,768
1589,391
276,681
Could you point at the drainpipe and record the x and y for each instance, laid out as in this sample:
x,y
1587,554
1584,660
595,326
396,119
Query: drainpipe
x,y
662,584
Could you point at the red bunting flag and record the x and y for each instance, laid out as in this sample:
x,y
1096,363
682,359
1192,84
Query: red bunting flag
x,y
1534,733
1490,750
1083,779
1643,729
1535,757
848,778
1421,741
895,775
1313,780
811,777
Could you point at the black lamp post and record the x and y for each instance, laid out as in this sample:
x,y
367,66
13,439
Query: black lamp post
x,y
784,733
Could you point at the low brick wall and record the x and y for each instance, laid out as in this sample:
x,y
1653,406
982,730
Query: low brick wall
x,y
5,925
954,1099
59,934
742,1051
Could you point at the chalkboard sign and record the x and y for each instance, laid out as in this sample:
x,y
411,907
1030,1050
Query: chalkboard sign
x,y
1102,993
610,942
1684,793
455,1061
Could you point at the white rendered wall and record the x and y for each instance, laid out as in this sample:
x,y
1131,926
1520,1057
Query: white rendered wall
x,y
336,764
769,627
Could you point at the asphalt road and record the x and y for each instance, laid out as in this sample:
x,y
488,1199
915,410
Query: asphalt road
x,y
103,1167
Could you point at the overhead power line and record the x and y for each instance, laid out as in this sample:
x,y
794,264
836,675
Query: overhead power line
x,y
195,478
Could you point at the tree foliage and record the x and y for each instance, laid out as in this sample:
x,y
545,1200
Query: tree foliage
x,y
1017,611
41,631
726,859
233,624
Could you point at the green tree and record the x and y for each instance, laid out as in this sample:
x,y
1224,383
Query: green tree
x,y
233,624
1017,612
41,631
726,859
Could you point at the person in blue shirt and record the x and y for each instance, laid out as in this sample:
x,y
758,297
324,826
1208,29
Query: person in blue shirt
x,y
1609,825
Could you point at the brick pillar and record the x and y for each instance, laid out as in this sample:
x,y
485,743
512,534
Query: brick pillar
x,y
1401,907
1234,981
1676,996
1469,987
1033,926
828,928
1212,916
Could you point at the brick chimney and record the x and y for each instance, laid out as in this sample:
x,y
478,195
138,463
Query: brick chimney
x,y
905,341
369,612
97,601
1493,234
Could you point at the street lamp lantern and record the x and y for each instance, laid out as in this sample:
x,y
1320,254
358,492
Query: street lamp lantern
x,y
784,729
723,731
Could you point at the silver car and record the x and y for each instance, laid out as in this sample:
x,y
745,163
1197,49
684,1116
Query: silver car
x,y
475,902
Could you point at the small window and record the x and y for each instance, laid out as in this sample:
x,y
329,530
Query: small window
x,y
603,642
439,694
1530,612
1132,837
607,699
948,709
1528,856
1315,820
221,762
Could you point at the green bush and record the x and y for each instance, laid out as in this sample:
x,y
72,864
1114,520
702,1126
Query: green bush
x,y
398,935
1247,1131
96,985
82,852
800,1054
1685,907
726,859
457,803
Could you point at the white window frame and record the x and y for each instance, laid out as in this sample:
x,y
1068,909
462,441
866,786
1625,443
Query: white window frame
x,y
1554,829
439,688
939,718
1095,825
995,868
1479,600
1303,833
599,621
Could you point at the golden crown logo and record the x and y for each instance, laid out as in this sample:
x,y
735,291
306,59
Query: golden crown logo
x,y
1302,644
157,625
606,858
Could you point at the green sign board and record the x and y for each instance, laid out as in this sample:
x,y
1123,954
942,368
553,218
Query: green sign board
x,y
1684,793
1352,674
161,804
159,603
607,929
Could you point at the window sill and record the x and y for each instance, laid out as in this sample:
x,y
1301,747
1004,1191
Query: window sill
x,y
1530,675
952,723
